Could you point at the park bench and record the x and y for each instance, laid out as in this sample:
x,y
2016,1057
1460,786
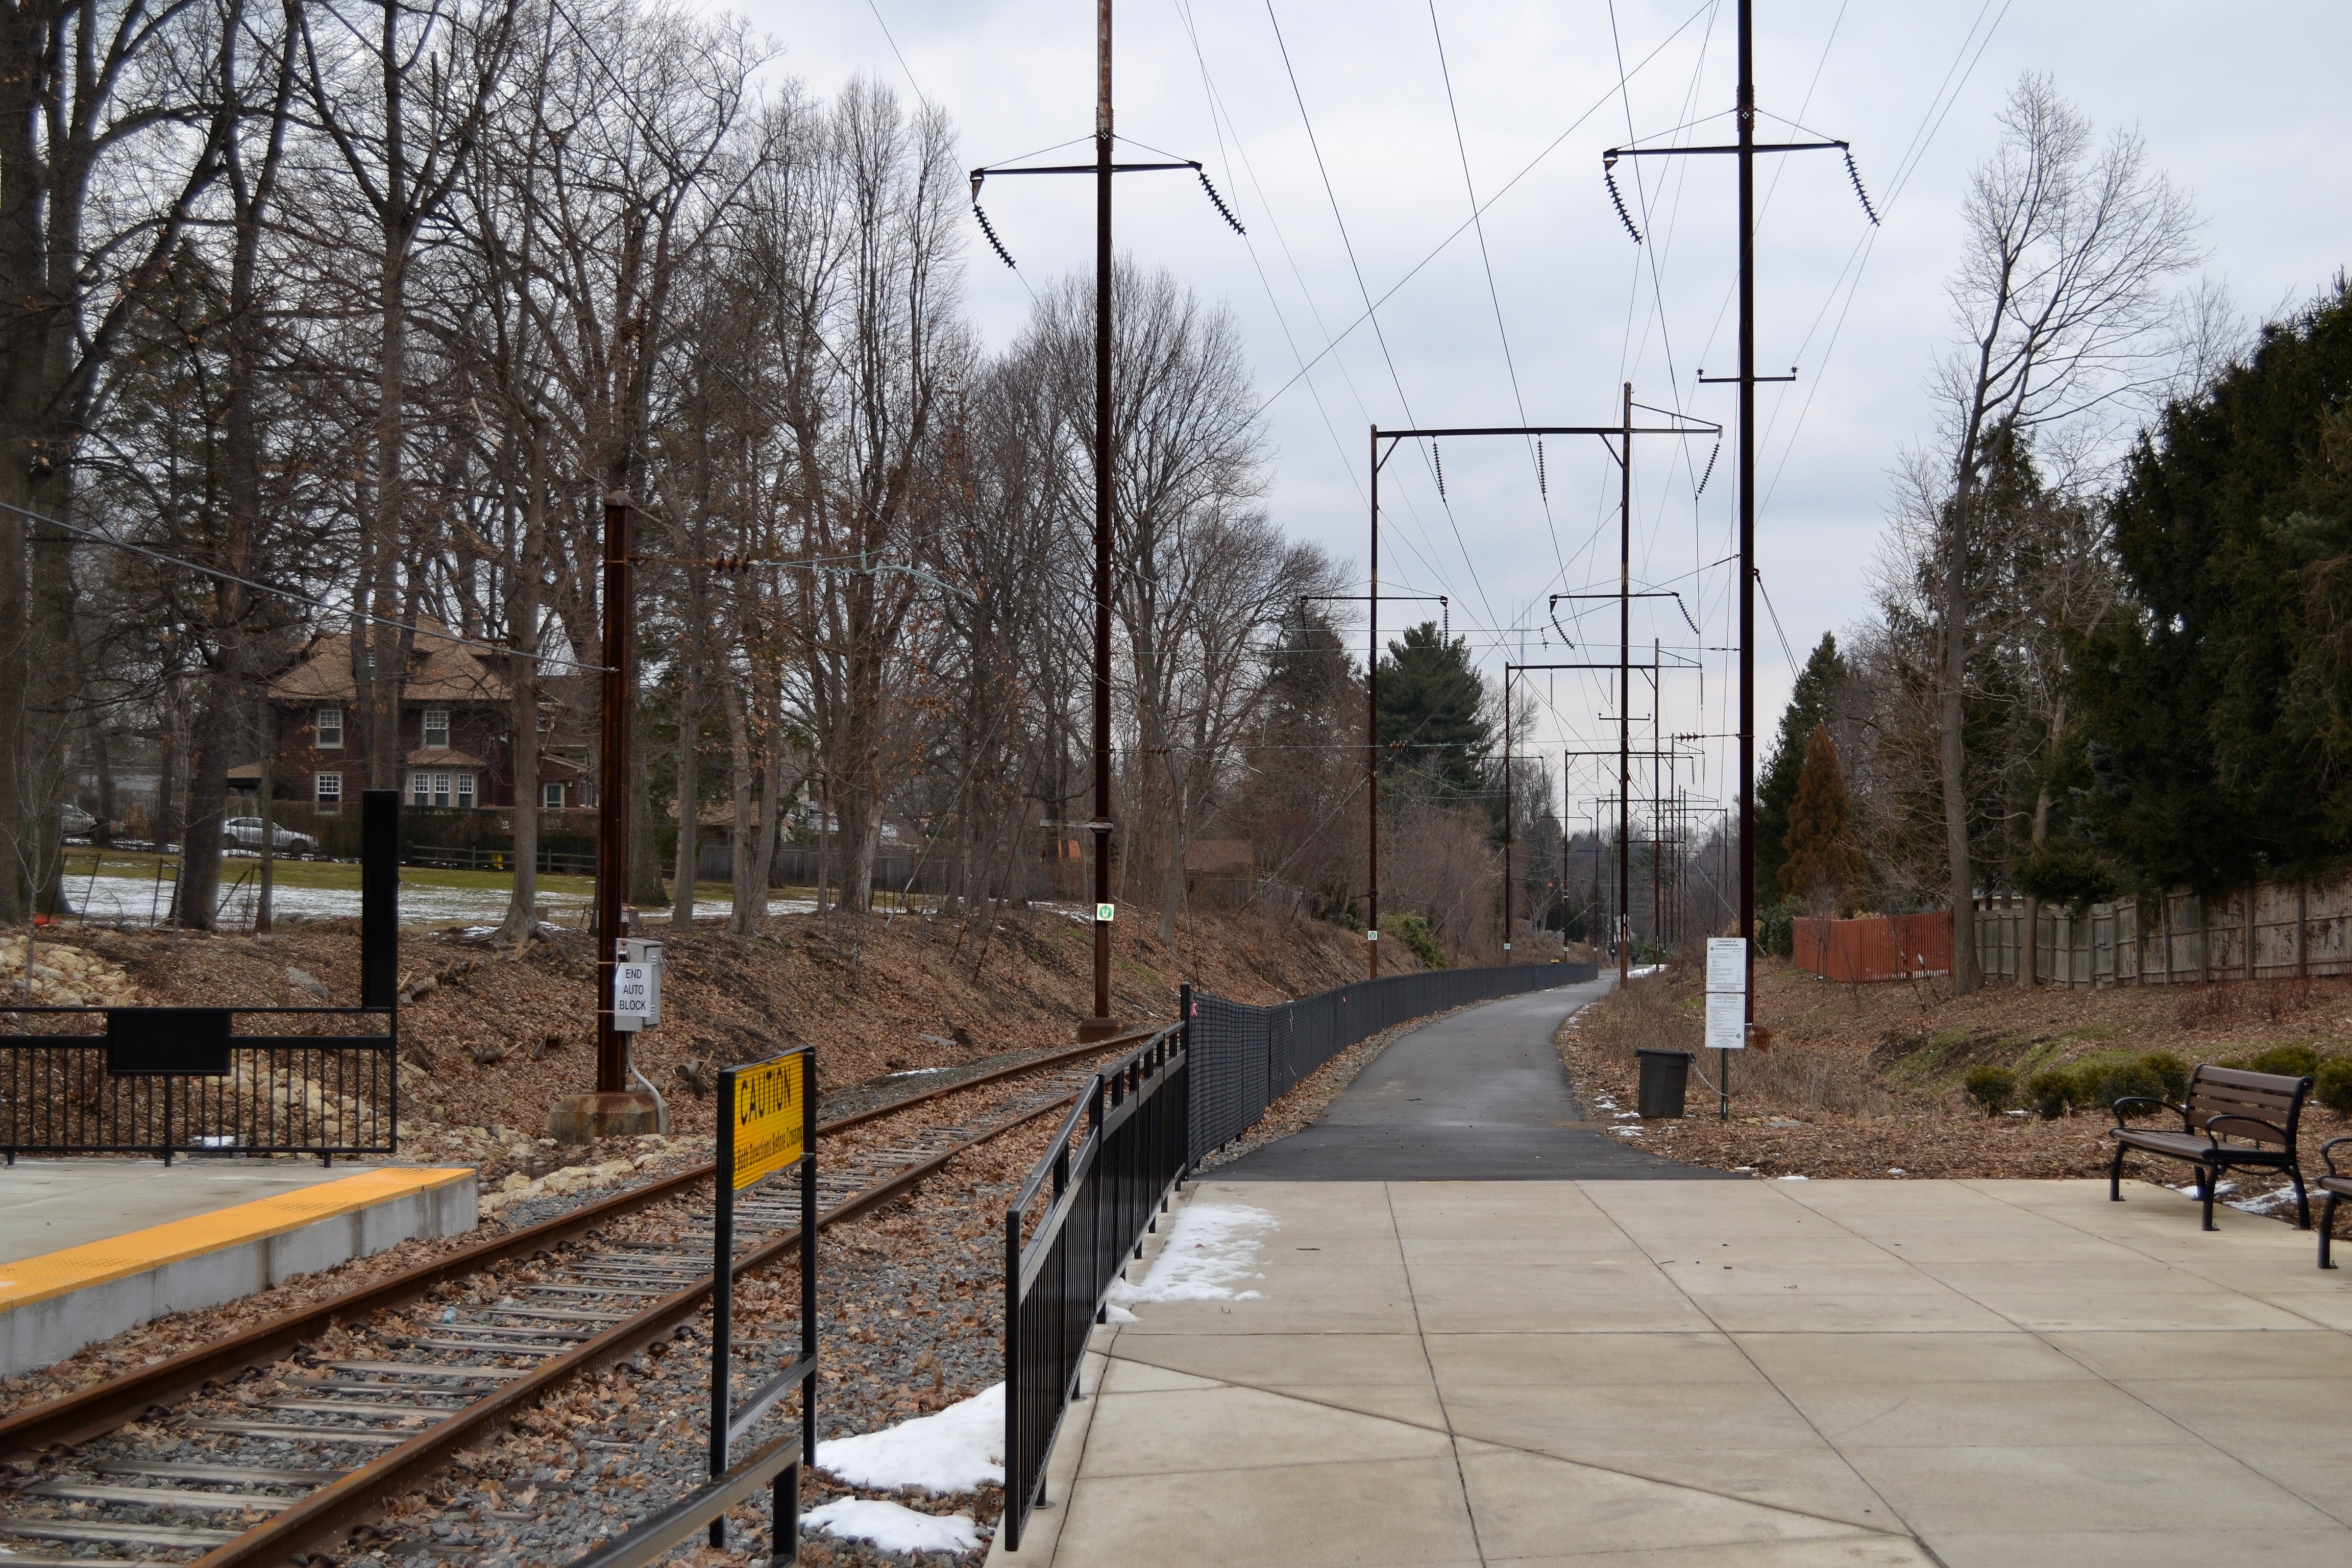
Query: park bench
x,y
2335,1184
2233,1119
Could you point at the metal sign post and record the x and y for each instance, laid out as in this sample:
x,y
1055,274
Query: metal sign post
x,y
1727,1010
767,1120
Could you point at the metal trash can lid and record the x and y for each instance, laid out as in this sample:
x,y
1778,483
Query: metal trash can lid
x,y
1654,1051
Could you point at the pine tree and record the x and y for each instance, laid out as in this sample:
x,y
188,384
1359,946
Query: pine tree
x,y
1809,705
1433,718
1824,866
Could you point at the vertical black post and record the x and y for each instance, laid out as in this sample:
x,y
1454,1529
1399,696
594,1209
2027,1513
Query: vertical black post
x,y
784,1547
722,1288
1746,114
1372,729
378,898
808,1268
1101,1025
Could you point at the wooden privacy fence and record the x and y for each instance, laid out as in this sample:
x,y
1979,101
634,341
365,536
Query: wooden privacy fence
x,y
1879,947
2268,931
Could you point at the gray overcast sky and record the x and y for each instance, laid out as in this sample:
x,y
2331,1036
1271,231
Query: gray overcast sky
x,y
2243,105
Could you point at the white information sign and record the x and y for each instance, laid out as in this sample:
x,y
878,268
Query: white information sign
x,y
636,985
1726,1022
1727,966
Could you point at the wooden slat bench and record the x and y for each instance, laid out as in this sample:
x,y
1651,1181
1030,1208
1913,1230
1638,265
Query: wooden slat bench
x,y
2233,1119
2334,1185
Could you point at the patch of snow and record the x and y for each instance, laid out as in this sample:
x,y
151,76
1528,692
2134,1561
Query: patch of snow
x,y
1639,970
1795,1178
893,1526
952,1450
1895,1169
1627,1131
2269,1203
1624,1114
1212,1249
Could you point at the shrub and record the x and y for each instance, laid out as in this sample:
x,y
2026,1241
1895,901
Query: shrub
x,y
1776,929
2171,1072
2332,1086
1413,931
2288,1061
2054,1091
1994,1089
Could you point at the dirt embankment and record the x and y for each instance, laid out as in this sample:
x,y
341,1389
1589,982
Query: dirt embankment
x,y
489,1035
1865,1081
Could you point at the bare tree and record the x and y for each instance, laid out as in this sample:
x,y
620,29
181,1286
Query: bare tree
x,y
2060,301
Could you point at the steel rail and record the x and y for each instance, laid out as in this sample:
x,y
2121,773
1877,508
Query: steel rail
x,y
318,1516
91,1412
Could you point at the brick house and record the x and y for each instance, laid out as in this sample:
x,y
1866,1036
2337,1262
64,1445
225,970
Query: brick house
x,y
456,737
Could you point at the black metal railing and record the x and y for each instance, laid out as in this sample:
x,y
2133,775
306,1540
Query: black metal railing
x,y
774,1470
170,1080
1244,1059
1110,1168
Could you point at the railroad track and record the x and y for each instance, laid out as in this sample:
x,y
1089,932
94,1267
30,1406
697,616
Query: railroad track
x,y
206,1475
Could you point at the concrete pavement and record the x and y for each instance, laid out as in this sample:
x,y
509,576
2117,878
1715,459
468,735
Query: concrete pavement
x,y
1983,1374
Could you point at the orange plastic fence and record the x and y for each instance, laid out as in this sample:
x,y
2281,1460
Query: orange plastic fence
x,y
1884,947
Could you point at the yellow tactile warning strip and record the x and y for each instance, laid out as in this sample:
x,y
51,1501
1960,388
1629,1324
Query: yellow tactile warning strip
x,y
75,1269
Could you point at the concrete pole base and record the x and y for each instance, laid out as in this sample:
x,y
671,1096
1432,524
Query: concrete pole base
x,y
1099,1029
584,1117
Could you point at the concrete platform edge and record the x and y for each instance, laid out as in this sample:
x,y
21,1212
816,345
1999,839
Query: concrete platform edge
x,y
41,1332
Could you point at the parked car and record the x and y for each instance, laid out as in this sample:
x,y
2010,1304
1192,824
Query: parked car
x,y
74,822
245,832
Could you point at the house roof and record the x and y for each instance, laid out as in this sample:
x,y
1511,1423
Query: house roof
x,y
442,757
440,669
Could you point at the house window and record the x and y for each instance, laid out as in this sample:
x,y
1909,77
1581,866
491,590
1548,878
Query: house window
x,y
464,792
553,795
440,789
327,789
426,788
436,729
328,723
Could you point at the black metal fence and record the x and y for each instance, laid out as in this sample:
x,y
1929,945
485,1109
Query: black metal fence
x,y
1110,1168
1134,1134
170,1080
1244,1058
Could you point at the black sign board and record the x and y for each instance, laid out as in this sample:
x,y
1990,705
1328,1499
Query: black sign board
x,y
152,1041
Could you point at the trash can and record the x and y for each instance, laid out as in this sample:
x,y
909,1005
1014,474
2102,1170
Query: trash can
x,y
1665,1075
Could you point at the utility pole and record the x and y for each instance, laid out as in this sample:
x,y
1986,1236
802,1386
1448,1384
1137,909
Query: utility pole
x,y
612,1109
1744,150
1625,695
1372,730
1625,432
1100,1025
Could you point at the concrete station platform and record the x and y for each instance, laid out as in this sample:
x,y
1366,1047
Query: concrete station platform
x,y
91,1248
1561,1360
1980,1374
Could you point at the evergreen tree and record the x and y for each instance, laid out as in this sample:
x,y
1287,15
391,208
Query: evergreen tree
x,y
1809,707
1824,865
1434,722
2216,744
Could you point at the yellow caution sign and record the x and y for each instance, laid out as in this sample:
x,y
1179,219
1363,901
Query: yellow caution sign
x,y
767,1123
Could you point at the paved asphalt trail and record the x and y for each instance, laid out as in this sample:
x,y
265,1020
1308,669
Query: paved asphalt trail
x,y
1481,1096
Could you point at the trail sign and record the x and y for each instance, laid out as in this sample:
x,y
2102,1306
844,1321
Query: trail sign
x,y
1726,992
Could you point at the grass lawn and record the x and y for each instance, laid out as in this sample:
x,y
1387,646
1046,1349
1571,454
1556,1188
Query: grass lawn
x,y
82,861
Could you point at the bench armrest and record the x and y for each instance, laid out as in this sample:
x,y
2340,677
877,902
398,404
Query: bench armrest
x,y
2238,1116
2122,1116
2329,1158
